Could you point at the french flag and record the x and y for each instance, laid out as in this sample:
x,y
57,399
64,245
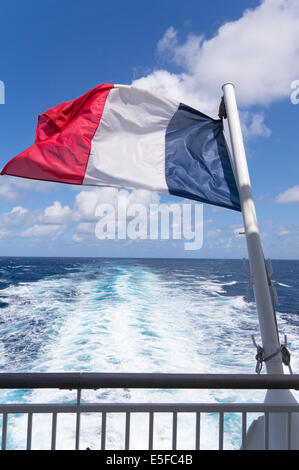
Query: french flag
x,y
122,136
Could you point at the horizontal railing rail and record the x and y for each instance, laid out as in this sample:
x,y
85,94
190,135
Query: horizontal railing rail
x,y
85,380
15,408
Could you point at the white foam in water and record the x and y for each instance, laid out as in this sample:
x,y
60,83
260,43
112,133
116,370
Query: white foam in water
x,y
135,321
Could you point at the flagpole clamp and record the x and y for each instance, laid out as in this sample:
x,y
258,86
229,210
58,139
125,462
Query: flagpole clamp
x,y
260,356
222,110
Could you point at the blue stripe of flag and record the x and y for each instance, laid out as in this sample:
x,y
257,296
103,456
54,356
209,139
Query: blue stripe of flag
x,y
197,161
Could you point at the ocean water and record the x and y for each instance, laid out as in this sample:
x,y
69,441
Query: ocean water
x,y
134,315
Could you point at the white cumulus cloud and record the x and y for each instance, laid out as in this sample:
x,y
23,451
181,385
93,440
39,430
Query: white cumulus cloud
x,y
258,52
56,213
3,233
87,201
289,196
44,231
253,124
7,191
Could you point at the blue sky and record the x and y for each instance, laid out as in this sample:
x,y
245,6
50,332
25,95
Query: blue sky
x,y
55,51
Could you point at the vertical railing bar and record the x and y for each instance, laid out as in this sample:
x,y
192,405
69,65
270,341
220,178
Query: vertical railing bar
x,y
244,429
151,431
127,435
266,430
54,428
4,431
174,429
289,431
103,432
197,431
221,421
29,431
78,416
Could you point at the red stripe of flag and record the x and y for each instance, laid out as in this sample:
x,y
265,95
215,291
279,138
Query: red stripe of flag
x,y
63,140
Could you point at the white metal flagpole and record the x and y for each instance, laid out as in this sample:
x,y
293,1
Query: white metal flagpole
x,y
262,294
278,423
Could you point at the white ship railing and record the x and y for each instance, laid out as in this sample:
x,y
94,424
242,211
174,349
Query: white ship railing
x,y
81,381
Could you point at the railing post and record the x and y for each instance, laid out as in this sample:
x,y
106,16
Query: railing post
x,y
244,429
197,431
54,427
221,429
29,431
174,430
4,431
151,430
78,420
127,432
103,431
